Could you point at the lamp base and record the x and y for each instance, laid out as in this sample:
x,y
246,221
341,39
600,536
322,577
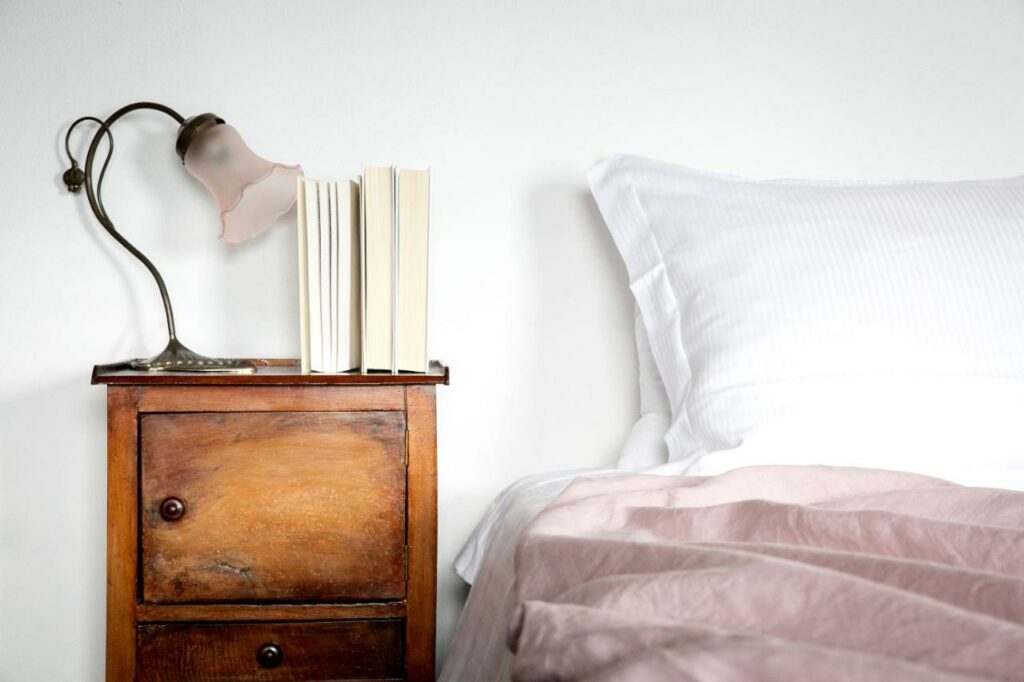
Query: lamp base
x,y
176,357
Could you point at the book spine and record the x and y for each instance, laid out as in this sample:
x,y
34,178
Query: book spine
x,y
413,237
362,273
300,209
351,279
325,275
315,334
394,269
426,279
334,260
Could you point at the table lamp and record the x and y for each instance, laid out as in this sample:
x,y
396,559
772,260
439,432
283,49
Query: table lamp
x,y
250,191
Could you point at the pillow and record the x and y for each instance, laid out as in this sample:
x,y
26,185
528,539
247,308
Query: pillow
x,y
645,445
769,304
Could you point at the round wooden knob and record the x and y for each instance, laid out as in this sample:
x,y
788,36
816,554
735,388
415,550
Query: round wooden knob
x,y
172,509
270,655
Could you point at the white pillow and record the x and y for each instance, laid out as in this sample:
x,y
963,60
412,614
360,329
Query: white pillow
x,y
771,304
645,445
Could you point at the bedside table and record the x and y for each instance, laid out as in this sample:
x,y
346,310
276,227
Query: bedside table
x,y
271,526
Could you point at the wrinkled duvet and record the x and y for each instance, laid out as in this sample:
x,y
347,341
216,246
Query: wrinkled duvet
x,y
772,573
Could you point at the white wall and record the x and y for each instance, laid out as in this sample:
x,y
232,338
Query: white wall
x,y
509,103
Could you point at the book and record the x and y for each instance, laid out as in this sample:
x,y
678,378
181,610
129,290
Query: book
x,y
348,304
329,272
300,209
363,270
378,197
312,228
332,298
326,321
413,221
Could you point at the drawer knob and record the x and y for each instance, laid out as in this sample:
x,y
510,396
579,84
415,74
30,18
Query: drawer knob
x,y
172,509
270,655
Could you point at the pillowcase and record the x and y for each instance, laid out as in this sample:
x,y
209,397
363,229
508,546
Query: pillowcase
x,y
769,304
645,445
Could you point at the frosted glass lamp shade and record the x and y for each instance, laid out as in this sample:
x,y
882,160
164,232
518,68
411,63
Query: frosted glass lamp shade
x,y
250,191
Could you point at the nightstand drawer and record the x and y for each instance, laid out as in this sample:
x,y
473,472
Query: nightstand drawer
x,y
284,506
350,650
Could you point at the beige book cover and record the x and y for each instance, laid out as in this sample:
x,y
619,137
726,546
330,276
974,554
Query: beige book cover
x,y
333,277
300,210
349,268
378,272
413,240
312,214
324,214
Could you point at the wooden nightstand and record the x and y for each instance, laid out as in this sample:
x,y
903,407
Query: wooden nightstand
x,y
273,526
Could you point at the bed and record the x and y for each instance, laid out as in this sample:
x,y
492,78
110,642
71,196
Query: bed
x,y
478,651
824,481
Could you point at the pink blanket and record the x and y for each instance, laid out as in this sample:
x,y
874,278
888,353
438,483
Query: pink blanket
x,y
772,573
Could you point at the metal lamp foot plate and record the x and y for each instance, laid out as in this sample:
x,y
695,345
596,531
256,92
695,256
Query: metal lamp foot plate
x,y
177,357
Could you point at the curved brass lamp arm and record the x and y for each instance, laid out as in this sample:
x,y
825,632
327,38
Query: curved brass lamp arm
x,y
175,356
96,200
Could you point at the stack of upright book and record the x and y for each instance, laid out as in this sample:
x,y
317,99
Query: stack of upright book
x,y
363,271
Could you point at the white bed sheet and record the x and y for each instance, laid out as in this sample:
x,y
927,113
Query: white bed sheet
x,y
478,652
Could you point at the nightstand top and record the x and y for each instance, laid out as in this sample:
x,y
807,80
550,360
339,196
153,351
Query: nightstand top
x,y
268,373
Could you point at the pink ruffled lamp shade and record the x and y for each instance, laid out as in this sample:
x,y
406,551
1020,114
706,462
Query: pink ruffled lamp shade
x,y
251,192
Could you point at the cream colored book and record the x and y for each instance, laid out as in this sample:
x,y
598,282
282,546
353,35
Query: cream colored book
x,y
324,203
330,267
362,276
335,275
300,210
413,219
313,262
378,271
348,300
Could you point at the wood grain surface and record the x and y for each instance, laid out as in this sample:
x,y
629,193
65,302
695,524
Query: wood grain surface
x,y
122,550
352,650
422,509
174,613
279,506
270,398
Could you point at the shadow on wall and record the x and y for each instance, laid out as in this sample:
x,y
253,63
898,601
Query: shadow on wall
x,y
582,287
578,389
